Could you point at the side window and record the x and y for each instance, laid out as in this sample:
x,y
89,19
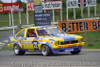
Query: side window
x,y
31,33
21,34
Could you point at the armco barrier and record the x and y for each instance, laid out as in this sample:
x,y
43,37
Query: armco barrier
x,y
23,26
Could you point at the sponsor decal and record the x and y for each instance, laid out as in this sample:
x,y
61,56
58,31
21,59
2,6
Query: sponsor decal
x,y
30,38
27,42
79,26
35,45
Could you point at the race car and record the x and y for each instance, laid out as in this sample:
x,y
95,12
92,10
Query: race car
x,y
45,39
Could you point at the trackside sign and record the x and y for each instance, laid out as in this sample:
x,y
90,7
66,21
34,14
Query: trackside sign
x,y
80,3
6,7
47,5
80,26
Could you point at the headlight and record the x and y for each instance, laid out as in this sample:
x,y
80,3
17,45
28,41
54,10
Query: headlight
x,y
81,40
51,42
57,43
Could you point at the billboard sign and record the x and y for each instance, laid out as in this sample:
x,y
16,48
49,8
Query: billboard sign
x,y
80,3
6,7
38,8
47,5
79,26
52,5
42,19
29,6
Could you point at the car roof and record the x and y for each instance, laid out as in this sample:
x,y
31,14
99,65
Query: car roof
x,y
38,27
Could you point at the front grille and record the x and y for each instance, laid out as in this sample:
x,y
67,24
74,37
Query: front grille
x,y
69,42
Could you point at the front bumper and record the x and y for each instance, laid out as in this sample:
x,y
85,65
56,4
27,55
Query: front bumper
x,y
68,45
70,49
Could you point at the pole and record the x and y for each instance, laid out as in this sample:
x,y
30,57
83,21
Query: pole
x,y
53,16
19,17
81,12
74,13
95,8
12,22
67,9
61,14
9,19
12,19
27,15
95,11
85,28
88,11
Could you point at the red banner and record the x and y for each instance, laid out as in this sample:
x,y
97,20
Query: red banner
x,y
6,7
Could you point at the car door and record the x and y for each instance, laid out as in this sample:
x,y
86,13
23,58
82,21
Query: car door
x,y
30,42
20,37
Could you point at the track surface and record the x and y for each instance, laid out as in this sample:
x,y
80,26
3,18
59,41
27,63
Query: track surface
x,y
84,59
4,37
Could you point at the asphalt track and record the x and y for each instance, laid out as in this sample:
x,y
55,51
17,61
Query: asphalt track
x,y
84,59
4,37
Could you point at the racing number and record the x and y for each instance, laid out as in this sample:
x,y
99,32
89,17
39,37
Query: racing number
x,y
1,8
35,44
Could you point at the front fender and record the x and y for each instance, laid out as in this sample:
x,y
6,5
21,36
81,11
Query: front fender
x,y
46,43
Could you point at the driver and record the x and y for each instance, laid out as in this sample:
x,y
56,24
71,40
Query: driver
x,y
32,33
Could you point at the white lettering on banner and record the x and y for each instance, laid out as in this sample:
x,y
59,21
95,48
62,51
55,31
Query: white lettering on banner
x,y
77,3
72,3
52,5
7,8
91,2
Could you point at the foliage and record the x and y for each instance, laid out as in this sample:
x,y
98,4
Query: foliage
x,y
1,1
23,5
98,1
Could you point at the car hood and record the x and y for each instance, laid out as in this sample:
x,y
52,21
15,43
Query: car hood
x,y
57,37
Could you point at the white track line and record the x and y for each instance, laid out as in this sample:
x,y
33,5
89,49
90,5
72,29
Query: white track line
x,y
2,43
5,41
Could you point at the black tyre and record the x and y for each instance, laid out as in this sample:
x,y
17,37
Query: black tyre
x,y
18,50
75,52
46,50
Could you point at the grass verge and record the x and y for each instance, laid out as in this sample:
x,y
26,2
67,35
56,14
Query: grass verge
x,y
6,48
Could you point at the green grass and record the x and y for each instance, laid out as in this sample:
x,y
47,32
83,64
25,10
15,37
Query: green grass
x,y
92,40
6,48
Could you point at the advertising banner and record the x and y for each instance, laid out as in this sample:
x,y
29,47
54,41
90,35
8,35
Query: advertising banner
x,y
42,19
52,5
79,26
6,7
29,6
47,5
80,3
36,2
38,8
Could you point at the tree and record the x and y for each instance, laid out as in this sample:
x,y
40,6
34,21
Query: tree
x,y
23,5
1,1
